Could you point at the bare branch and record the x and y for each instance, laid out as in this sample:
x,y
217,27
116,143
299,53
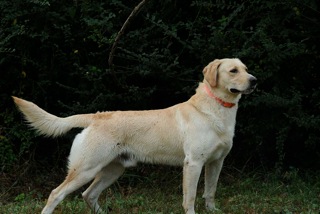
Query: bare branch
x,y
134,12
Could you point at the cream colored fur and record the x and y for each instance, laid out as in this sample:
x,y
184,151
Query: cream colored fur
x,y
192,134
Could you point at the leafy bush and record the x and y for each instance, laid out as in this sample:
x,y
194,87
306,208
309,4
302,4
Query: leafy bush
x,y
55,54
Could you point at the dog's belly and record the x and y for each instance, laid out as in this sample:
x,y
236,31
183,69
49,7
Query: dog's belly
x,y
168,153
151,138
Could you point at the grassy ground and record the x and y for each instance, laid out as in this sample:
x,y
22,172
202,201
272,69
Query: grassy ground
x,y
237,193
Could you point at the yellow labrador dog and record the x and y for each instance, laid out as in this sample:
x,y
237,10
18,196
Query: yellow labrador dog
x,y
192,134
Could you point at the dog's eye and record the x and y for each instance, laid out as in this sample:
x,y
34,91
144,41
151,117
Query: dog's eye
x,y
234,71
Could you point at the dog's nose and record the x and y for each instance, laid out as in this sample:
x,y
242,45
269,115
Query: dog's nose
x,y
253,81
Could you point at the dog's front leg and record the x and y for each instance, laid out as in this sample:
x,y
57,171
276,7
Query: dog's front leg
x,y
191,174
212,172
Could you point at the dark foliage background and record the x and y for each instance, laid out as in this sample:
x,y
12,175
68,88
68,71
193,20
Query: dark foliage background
x,y
54,53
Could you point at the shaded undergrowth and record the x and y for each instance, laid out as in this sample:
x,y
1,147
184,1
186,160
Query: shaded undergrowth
x,y
155,189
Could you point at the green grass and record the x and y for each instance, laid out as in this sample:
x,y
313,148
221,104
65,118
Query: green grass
x,y
256,193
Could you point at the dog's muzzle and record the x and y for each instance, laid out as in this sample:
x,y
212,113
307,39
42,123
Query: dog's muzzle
x,y
252,85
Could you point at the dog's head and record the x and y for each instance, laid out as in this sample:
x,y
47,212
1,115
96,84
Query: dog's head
x,y
230,75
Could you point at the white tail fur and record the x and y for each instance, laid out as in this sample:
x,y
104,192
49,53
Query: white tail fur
x,y
48,124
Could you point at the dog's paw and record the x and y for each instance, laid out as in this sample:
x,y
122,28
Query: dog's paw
x,y
211,207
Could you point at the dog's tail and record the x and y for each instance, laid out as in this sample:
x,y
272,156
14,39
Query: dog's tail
x,y
48,124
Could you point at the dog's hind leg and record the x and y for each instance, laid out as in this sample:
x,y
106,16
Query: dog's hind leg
x,y
76,178
85,162
107,176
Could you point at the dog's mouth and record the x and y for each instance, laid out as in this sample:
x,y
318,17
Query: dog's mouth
x,y
234,91
247,91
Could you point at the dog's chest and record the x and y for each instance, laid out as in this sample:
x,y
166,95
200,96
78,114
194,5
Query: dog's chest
x,y
223,126
223,123
220,142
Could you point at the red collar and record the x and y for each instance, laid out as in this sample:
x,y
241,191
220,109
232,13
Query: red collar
x,y
220,101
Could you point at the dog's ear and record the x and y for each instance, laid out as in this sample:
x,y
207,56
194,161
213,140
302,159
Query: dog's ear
x,y
210,72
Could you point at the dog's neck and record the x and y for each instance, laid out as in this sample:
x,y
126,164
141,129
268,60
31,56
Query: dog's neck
x,y
221,98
